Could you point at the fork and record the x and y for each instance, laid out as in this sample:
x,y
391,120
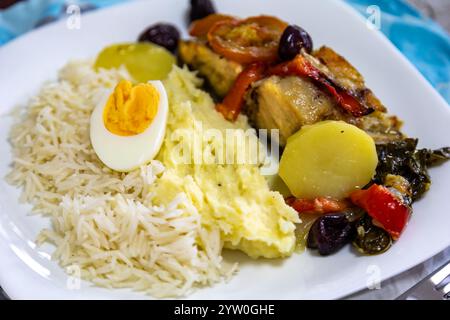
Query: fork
x,y
436,286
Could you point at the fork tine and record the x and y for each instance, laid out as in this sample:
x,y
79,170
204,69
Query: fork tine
x,y
441,275
446,291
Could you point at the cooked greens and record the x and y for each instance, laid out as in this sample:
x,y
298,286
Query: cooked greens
x,y
433,157
403,158
403,169
371,239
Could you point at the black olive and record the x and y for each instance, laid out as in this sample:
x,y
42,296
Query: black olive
x,y
371,239
293,39
330,232
163,34
200,9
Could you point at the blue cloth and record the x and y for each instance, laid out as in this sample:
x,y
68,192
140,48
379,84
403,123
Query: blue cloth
x,y
420,39
29,14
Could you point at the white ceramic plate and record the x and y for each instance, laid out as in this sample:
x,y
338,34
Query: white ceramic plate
x,y
27,271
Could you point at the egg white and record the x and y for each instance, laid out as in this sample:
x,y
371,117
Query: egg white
x,y
125,153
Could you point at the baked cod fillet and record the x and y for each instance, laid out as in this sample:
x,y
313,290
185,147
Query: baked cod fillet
x,y
288,103
219,72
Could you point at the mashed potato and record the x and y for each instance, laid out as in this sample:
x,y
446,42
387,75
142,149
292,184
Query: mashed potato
x,y
235,197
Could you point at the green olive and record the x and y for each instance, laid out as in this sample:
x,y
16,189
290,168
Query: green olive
x,y
144,61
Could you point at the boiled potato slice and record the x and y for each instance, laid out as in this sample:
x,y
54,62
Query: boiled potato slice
x,y
328,159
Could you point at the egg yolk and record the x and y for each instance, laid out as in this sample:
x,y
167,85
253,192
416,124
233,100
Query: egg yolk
x,y
130,109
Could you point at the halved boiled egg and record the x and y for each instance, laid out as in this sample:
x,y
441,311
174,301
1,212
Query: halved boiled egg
x,y
128,125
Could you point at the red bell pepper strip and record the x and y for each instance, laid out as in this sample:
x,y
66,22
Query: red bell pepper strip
x,y
389,211
317,205
232,104
300,66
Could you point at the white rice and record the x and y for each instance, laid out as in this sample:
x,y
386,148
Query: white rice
x,y
104,222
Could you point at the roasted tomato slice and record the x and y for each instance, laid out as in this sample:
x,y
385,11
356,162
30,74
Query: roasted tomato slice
x,y
200,28
232,103
246,41
318,205
388,211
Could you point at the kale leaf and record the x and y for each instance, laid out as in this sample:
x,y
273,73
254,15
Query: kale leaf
x,y
403,158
